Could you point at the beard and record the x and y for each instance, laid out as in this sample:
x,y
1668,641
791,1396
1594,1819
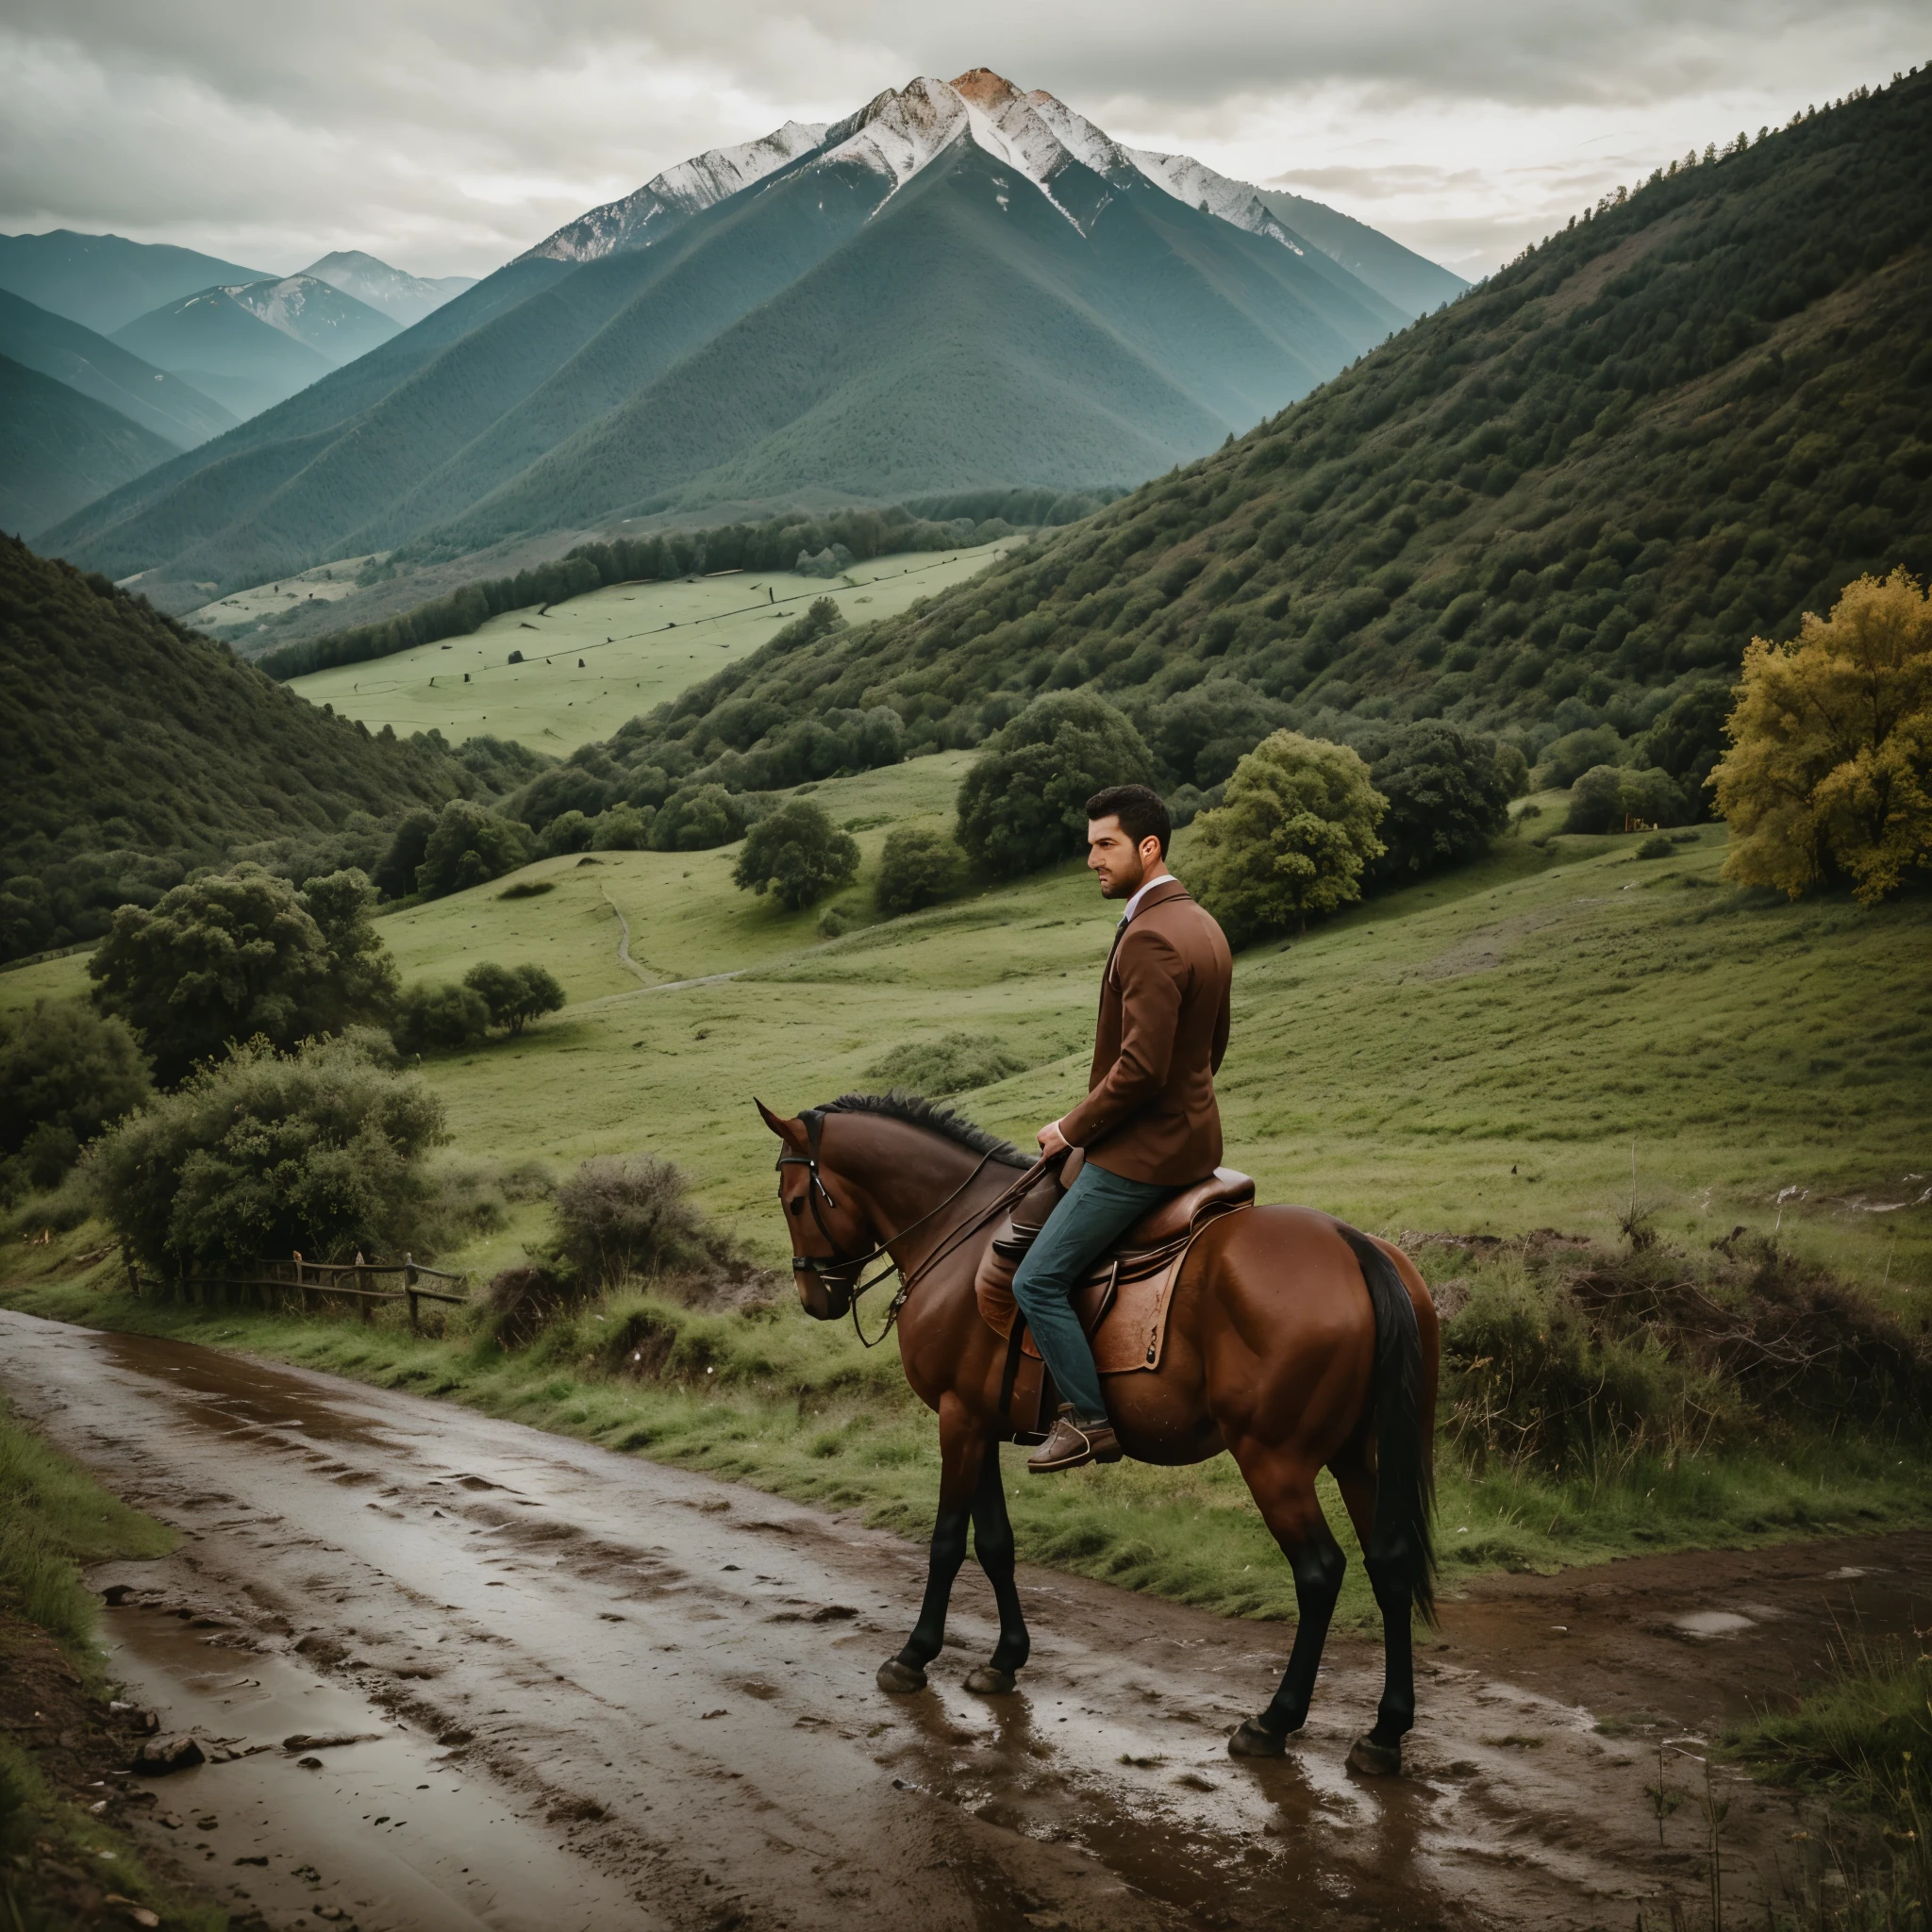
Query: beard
x,y
1128,880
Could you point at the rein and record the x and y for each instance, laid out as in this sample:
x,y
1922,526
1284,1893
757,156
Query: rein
x,y
847,1266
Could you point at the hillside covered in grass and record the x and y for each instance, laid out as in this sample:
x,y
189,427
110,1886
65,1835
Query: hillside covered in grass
x,y
1568,500
131,750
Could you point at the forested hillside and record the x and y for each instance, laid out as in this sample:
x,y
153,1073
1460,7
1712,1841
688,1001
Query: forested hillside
x,y
59,448
1566,501
131,750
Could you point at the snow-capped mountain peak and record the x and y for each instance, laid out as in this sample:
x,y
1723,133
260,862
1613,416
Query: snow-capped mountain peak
x,y
1200,187
677,194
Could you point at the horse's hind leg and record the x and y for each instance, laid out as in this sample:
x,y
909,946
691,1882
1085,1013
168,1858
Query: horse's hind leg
x,y
992,1543
1379,1752
963,1452
1286,1493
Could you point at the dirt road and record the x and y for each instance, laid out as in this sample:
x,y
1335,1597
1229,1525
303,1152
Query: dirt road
x,y
595,1692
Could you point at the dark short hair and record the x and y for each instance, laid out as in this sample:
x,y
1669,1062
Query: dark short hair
x,y
1142,810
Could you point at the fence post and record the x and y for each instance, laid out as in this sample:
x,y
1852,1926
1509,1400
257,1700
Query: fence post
x,y
409,1288
362,1282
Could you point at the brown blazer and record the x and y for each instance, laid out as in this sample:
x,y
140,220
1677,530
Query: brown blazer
x,y
1150,1113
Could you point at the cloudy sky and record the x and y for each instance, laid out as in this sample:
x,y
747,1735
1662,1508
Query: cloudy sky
x,y
447,135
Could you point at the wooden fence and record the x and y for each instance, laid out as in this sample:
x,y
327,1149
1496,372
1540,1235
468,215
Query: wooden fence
x,y
313,1284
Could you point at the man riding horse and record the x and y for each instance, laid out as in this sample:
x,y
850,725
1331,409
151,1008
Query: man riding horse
x,y
1289,1340
1149,1125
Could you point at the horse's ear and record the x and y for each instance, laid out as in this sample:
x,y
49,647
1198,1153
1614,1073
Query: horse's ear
x,y
792,1131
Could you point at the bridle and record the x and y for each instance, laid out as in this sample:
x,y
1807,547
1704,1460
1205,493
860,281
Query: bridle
x,y
846,1267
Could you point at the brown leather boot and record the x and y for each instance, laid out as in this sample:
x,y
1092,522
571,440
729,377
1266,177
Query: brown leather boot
x,y
1073,1443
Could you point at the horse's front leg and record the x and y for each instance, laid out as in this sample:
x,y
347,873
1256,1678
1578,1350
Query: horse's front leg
x,y
963,1450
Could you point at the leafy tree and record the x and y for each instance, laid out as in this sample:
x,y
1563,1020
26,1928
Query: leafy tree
x,y
470,846
1293,838
1688,740
1606,797
1448,793
66,1071
515,995
441,1013
1568,758
918,869
221,958
697,818
569,831
1023,805
361,973
394,876
623,828
796,853
266,1153
1201,735
1829,774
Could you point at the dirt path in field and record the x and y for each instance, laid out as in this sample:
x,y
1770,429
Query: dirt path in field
x,y
592,1692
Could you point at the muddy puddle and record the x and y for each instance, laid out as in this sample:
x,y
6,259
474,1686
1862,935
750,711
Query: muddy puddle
x,y
598,1691
383,1834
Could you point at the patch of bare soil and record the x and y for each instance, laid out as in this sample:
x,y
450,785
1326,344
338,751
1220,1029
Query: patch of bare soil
x,y
568,1686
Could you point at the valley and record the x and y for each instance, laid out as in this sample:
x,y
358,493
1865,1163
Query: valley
x,y
592,663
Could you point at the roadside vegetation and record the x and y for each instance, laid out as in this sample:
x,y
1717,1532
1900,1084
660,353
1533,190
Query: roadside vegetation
x,y
61,1863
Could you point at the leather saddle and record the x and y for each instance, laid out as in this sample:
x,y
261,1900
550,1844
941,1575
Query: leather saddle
x,y
1122,1305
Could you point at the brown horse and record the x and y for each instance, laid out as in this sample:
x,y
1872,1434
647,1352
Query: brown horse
x,y
1294,1342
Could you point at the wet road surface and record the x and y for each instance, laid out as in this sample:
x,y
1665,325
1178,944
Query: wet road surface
x,y
595,1691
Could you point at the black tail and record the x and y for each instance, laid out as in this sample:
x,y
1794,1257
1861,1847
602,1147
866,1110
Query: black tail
x,y
1406,1481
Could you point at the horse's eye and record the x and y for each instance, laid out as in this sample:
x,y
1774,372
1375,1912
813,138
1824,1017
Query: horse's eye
x,y
796,1207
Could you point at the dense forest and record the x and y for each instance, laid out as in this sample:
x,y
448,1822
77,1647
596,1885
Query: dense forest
x,y
1566,502
132,750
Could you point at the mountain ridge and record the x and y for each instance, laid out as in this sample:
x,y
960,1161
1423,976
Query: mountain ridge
x,y
607,362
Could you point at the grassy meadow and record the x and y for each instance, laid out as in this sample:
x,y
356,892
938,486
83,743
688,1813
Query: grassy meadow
x,y
639,646
1547,1039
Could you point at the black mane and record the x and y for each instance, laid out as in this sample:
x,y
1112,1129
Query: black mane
x,y
917,1111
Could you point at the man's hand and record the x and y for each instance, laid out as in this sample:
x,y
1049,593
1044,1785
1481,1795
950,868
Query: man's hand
x,y
1051,1140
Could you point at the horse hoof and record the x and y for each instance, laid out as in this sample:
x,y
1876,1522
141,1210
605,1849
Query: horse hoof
x,y
987,1682
1256,1741
1366,1759
899,1678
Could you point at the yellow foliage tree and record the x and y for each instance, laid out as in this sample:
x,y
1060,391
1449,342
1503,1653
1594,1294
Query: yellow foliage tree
x,y
1829,774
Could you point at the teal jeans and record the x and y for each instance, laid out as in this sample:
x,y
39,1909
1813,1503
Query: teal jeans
x,y
1089,1217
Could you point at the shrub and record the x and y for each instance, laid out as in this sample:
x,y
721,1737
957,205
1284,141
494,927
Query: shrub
x,y
1604,797
1023,805
797,855
623,828
623,1215
1566,760
319,1150
515,995
1293,838
438,1013
1829,774
394,877
236,955
1657,846
567,832
66,1071
918,869
954,1063
696,817
1448,796
470,846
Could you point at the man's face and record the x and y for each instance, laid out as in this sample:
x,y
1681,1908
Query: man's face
x,y
1113,857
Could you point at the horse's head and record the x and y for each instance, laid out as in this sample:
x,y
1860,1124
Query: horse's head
x,y
831,1239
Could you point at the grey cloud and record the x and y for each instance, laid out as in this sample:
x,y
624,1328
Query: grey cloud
x,y
449,134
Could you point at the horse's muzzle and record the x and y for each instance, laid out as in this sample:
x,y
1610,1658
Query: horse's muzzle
x,y
824,1297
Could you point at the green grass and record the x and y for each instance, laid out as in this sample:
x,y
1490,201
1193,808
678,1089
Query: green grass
x,y
57,1519
641,644
1479,1054
792,1406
